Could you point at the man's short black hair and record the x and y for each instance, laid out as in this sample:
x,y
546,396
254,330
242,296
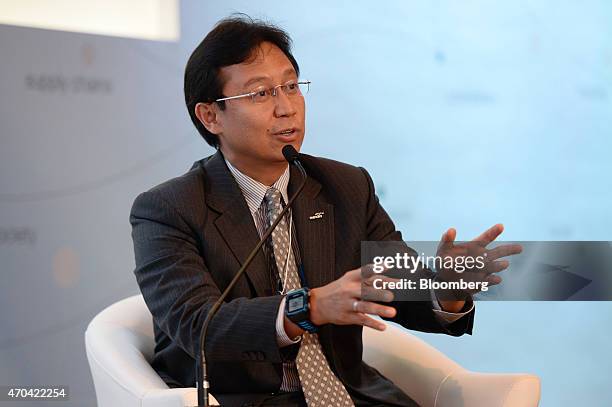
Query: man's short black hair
x,y
232,41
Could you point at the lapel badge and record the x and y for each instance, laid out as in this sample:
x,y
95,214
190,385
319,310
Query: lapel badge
x,y
317,215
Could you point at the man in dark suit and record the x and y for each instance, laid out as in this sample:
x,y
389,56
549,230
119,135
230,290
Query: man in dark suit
x,y
192,233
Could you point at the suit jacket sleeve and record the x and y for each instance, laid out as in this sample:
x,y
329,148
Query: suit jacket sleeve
x,y
416,315
179,289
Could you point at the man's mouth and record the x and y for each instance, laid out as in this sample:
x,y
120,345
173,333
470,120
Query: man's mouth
x,y
286,134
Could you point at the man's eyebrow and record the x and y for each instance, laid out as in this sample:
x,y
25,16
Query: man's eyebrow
x,y
286,72
253,80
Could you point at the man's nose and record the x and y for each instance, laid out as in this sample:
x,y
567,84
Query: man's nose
x,y
283,104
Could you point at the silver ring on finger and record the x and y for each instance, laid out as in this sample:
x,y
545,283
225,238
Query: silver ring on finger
x,y
355,305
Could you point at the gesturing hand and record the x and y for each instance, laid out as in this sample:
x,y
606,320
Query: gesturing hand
x,y
339,302
477,248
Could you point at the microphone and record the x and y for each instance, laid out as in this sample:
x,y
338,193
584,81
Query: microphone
x,y
292,156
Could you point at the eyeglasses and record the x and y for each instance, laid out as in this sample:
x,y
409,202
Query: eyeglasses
x,y
262,95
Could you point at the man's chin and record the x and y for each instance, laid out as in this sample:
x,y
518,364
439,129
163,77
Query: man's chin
x,y
278,149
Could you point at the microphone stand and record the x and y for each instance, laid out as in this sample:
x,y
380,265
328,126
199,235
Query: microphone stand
x,y
202,383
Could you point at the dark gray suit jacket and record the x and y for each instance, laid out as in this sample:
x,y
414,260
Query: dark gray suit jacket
x,y
191,234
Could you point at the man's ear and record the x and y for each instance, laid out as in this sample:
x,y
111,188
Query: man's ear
x,y
207,114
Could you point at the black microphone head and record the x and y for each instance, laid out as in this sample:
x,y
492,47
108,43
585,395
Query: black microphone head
x,y
290,154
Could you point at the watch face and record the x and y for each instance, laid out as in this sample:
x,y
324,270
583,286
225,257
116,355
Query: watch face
x,y
295,304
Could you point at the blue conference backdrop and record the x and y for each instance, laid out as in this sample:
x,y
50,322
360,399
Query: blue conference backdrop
x,y
465,113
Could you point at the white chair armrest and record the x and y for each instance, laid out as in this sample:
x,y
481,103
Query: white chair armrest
x,y
465,389
433,380
413,365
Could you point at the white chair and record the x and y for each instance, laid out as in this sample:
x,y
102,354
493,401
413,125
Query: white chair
x,y
119,343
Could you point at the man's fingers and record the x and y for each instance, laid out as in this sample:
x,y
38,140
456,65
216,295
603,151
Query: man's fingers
x,y
367,271
378,280
370,292
449,236
447,239
496,266
489,235
355,274
371,308
493,279
504,250
376,295
363,319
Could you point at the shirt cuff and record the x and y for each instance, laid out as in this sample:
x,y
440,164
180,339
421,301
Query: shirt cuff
x,y
444,317
282,339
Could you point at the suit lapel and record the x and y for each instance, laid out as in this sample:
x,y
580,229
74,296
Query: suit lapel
x,y
235,222
315,233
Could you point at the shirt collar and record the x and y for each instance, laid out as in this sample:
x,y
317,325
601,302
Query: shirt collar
x,y
254,191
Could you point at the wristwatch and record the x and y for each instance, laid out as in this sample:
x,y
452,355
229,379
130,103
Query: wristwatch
x,y
297,309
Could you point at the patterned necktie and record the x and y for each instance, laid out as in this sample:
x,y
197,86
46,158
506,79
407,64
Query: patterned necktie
x,y
320,385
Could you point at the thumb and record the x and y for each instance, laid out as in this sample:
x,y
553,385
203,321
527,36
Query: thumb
x,y
447,239
449,236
